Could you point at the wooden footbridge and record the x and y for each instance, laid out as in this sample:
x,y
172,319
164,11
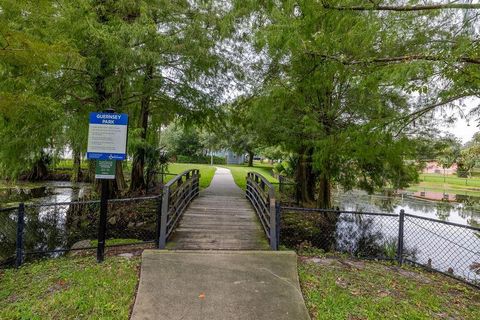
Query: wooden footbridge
x,y
220,266
221,217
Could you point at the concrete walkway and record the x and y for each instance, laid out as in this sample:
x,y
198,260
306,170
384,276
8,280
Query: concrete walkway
x,y
219,285
221,218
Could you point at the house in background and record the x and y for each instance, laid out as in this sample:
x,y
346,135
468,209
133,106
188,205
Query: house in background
x,y
231,157
435,167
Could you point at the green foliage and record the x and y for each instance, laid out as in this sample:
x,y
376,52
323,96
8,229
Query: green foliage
x,y
200,159
32,53
284,168
340,89
60,60
468,159
183,141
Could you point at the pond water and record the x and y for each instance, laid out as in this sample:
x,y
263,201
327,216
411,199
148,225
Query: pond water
x,y
466,212
442,246
44,192
45,225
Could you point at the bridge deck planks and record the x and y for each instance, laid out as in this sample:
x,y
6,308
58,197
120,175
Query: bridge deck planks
x,y
221,218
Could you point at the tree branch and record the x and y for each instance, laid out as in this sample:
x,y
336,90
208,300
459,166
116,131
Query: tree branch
x,y
407,58
416,114
464,6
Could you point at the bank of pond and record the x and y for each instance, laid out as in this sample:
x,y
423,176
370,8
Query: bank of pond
x,y
54,228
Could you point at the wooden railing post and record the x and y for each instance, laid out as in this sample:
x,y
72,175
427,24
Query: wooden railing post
x,y
278,213
261,195
273,220
162,241
159,221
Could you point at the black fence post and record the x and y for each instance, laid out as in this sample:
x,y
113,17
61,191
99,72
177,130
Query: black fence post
x,y
20,234
102,222
159,221
401,222
278,213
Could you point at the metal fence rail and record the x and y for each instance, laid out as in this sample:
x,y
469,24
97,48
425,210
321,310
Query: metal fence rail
x,y
51,229
449,248
177,195
262,196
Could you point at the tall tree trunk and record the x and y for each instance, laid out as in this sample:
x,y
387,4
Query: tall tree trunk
x,y
324,197
91,171
119,182
77,170
138,166
305,178
250,158
39,171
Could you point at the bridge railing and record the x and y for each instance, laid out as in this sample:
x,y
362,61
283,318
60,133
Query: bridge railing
x,y
261,194
177,195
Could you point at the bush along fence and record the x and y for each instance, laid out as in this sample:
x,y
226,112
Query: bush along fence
x,y
450,248
31,231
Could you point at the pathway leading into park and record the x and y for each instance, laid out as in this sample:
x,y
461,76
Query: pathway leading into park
x,y
220,268
221,218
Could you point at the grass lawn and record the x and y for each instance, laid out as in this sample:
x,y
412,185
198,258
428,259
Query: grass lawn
x,y
68,163
239,173
116,242
337,288
69,288
452,185
206,172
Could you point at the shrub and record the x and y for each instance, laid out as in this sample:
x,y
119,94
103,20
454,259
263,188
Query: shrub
x,y
201,159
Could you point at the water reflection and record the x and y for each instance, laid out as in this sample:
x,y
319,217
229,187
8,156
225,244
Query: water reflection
x,y
45,226
466,212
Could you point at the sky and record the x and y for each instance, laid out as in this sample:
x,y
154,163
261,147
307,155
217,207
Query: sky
x,y
465,128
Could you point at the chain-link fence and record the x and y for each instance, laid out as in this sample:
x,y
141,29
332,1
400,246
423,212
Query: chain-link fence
x,y
445,247
8,234
286,191
52,229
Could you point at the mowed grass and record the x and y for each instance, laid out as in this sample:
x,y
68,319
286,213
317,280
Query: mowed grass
x,y
206,172
70,288
337,288
453,185
239,173
452,180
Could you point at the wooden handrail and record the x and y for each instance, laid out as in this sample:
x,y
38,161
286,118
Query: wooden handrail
x,y
175,202
261,194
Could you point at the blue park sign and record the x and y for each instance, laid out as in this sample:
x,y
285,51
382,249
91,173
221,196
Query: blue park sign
x,y
107,136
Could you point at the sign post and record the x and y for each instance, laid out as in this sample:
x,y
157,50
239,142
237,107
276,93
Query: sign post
x,y
107,143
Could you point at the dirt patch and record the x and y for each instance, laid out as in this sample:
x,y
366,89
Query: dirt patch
x,y
135,250
320,261
12,299
410,274
346,263
60,285
353,264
